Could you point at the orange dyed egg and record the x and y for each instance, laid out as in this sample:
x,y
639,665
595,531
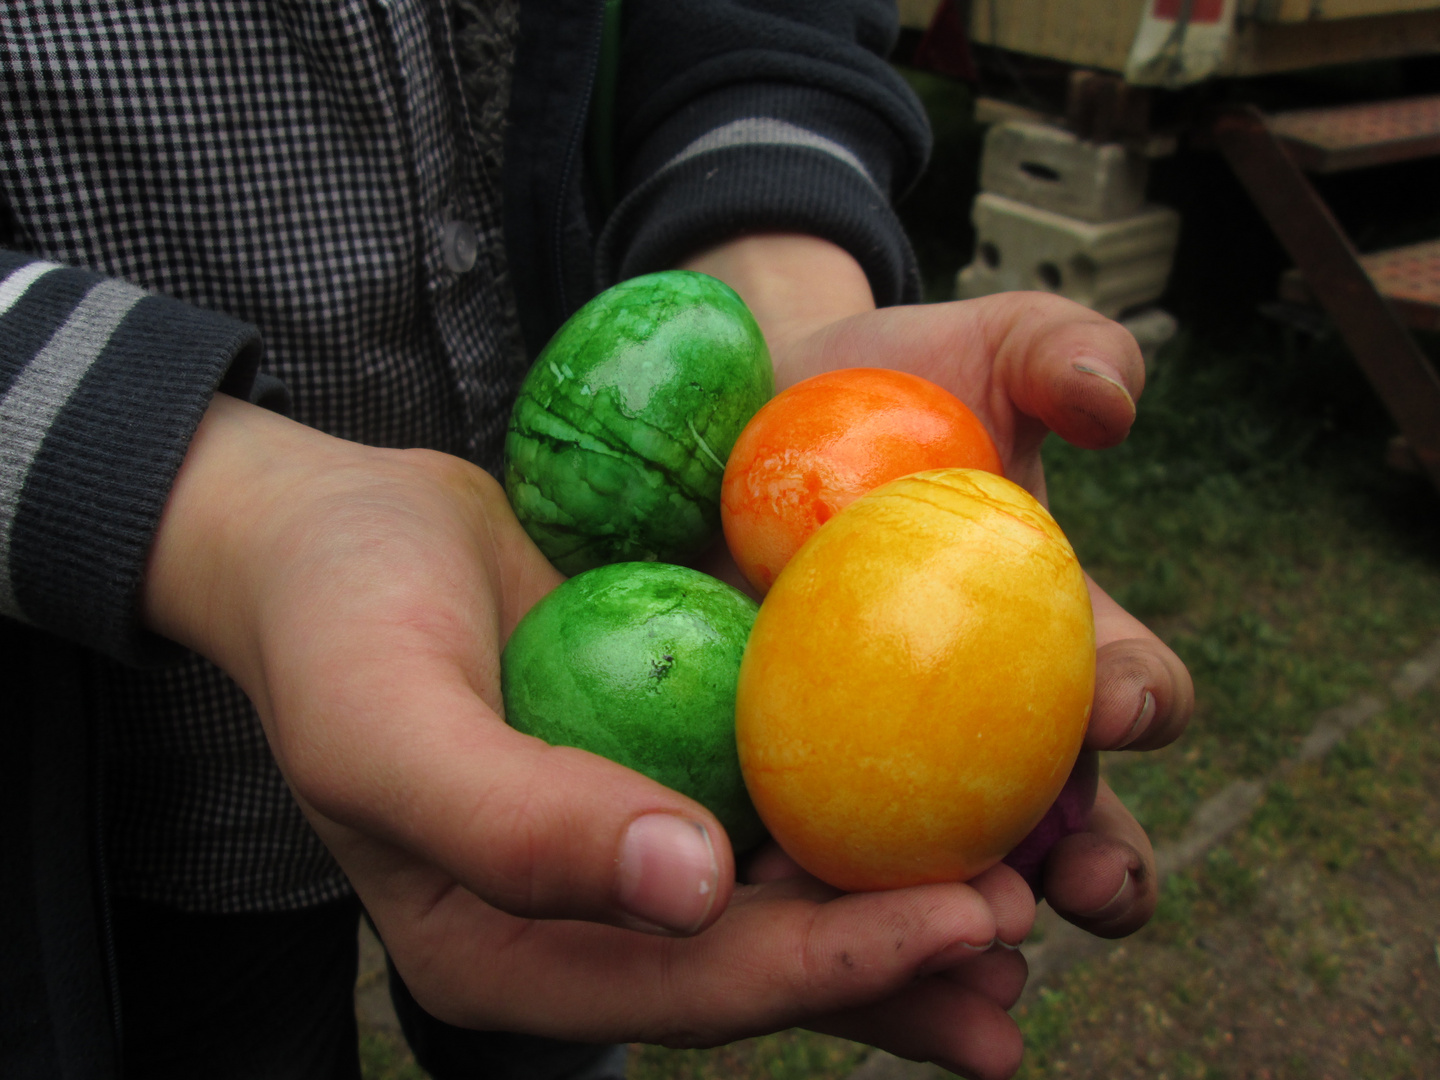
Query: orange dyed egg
x,y
917,684
822,443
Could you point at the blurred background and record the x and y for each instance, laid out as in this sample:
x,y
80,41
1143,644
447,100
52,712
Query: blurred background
x,y
1253,187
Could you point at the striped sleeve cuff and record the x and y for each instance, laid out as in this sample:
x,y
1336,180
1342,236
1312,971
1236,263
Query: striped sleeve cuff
x,y
102,385
766,157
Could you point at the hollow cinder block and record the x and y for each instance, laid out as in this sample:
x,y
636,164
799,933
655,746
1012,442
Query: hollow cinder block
x,y
1108,266
1053,169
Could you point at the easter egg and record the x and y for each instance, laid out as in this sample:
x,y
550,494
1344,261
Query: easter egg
x,y
818,445
618,438
918,682
638,662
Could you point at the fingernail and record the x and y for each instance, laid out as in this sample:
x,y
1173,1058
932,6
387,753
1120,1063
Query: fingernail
x,y
1116,905
953,955
668,874
1142,720
1086,369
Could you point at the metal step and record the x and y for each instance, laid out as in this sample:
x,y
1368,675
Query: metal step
x,y
1408,277
1357,136
1369,322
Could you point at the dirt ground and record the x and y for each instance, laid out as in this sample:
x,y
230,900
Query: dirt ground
x,y
1306,946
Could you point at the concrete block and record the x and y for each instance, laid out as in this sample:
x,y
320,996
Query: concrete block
x,y
1050,168
1110,266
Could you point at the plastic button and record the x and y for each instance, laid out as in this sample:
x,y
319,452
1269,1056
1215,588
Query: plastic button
x,y
459,246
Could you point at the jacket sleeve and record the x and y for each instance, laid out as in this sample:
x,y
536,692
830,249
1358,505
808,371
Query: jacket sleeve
x,y
102,385
735,116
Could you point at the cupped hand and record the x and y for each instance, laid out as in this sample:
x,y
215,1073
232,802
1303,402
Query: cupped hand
x,y
1027,363
361,598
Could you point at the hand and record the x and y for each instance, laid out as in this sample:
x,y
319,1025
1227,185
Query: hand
x,y
1027,364
361,597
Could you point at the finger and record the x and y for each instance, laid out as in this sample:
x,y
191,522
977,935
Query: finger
x,y
538,831
999,975
1077,372
1103,880
1011,901
937,1020
1143,693
782,954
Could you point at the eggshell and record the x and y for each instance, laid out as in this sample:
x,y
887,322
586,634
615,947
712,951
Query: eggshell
x,y
638,662
618,438
817,446
918,682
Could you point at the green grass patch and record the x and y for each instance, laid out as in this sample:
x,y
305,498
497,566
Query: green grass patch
x,y
787,1055
1253,525
385,1056
1305,946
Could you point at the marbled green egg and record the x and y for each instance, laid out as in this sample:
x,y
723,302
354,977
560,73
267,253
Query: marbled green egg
x,y
638,662
618,439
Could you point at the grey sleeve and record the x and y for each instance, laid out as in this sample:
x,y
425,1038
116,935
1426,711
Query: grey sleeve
x,y
102,385
735,117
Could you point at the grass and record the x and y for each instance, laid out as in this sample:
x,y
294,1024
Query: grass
x,y
1306,946
385,1056
788,1055
1251,522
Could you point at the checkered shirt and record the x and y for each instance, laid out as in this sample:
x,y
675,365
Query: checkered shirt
x,y
306,167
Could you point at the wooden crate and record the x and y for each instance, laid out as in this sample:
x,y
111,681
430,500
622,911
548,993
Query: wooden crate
x,y
1293,11
1267,36
1088,33
1263,48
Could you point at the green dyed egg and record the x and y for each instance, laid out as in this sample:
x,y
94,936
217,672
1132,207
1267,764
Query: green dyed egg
x,y
618,440
638,662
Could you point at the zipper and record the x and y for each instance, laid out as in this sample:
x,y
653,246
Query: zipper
x,y
601,134
572,155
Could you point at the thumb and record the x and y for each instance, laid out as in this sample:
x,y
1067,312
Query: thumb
x,y
534,830
386,718
1071,368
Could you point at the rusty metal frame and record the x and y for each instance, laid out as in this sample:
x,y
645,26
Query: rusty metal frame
x,y
1387,354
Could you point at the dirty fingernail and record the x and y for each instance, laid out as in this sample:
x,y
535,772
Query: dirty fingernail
x,y
1117,905
953,955
668,874
1086,369
1142,720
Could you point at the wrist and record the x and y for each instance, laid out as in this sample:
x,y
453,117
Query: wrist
x,y
794,284
272,527
243,466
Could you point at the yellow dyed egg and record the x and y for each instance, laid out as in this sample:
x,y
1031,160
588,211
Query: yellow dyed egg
x,y
917,684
